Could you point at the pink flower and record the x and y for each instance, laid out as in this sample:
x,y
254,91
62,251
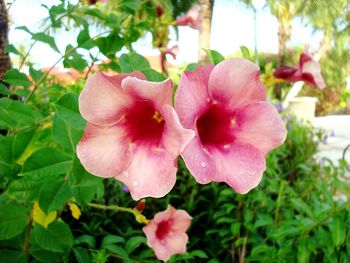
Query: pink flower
x,y
235,127
133,132
308,70
166,232
192,18
172,51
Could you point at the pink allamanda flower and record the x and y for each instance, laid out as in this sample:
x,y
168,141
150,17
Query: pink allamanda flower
x,y
166,232
307,70
133,133
192,18
235,127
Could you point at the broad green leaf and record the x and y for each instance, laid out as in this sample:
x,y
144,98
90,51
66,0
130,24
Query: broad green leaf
x,y
13,220
68,110
14,114
46,163
133,243
24,190
85,186
44,256
84,40
42,37
214,56
56,238
74,60
338,231
65,134
117,250
153,75
133,61
85,239
198,254
16,78
4,90
21,142
54,194
12,256
110,44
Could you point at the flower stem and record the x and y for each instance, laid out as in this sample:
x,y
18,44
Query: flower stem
x,y
140,218
27,238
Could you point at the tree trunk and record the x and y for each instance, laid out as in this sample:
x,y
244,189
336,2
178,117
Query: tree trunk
x,y
5,62
204,35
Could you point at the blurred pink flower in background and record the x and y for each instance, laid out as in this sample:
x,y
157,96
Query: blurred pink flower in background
x,y
173,51
308,70
133,132
166,232
192,18
235,127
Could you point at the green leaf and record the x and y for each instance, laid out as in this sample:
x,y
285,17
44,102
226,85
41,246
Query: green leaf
x,y
111,239
133,61
74,60
42,37
46,163
4,90
43,255
110,44
13,220
53,195
65,134
214,56
81,255
191,67
303,252
84,185
117,250
245,52
12,256
133,243
35,74
85,239
67,109
14,115
56,238
153,75
16,78
24,28
11,49
301,206
84,40
199,254
23,189
338,231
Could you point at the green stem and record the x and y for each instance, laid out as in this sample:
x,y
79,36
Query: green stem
x,y
47,73
27,238
113,208
280,193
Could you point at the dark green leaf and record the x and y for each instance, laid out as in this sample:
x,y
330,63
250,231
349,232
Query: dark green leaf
x,y
53,195
13,220
110,44
133,61
12,256
4,90
133,243
84,40
46,163
11,49
35,74
153,75
56,238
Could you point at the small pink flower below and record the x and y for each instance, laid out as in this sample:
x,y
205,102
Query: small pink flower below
x,y
166,232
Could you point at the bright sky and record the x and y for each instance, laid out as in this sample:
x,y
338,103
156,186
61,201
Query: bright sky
x,y
232,27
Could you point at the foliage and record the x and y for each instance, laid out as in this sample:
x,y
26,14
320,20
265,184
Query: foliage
x,y
300,211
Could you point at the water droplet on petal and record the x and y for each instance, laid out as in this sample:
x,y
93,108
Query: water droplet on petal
x,y
135,183
203,164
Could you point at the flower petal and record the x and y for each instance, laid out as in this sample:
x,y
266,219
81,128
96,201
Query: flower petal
x,y
158,93
181,220
175,137
259,124
192,97
198,161
240,166
312,73
236,82
102,101
104,151
286,73
152,173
